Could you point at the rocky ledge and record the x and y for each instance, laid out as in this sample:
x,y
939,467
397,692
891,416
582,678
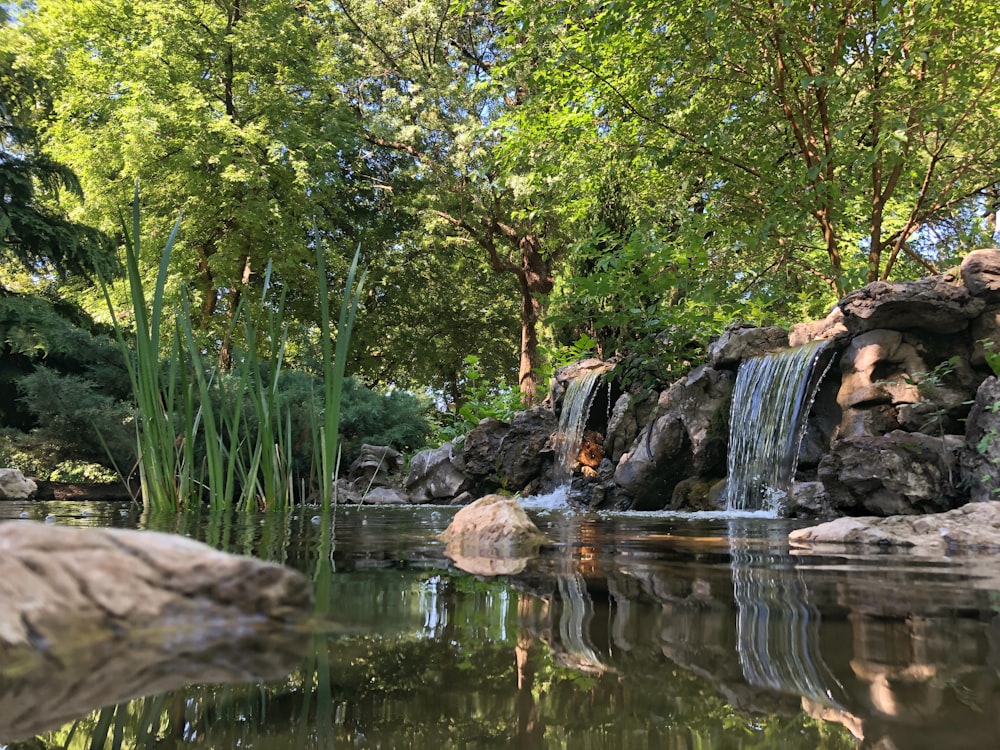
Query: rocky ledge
x,y
974,527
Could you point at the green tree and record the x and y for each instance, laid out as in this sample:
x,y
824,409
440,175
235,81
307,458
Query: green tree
x,y
35,236
425,83
226,109
783,141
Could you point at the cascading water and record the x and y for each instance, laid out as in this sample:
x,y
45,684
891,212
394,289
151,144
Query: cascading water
x,y
579,397
771,399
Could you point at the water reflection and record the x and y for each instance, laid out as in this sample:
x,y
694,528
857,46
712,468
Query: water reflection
x,y
628,632
777,628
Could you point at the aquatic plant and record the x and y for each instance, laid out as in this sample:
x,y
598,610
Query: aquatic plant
x,y
224,438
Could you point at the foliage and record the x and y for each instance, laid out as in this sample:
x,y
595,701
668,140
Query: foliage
x,y
33,233
63,389
481,399
194,435
766,154
231,112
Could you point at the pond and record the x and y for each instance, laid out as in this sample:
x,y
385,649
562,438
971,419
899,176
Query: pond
x,y
629,631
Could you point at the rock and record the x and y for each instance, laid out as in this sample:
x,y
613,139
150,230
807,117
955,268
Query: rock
x,y
875,369
693,494
15,486
985,328
898,473
492,535
933,304
980,461
375,466
93,617
478,457
492,523
741,341
434,475
630,414
385,496
831,327
975,526
687,438
807,500
345,493
981,274
562,377
521,454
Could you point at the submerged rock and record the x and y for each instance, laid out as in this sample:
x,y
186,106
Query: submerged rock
x,y
975,526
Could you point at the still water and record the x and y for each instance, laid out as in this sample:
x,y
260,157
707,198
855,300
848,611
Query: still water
x,y
629,631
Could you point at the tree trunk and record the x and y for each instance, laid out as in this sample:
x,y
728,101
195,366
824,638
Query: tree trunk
x,y
535,280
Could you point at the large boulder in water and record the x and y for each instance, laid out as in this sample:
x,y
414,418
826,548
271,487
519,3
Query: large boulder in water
x,y
492,536
15,486
975,526
687,437
92,617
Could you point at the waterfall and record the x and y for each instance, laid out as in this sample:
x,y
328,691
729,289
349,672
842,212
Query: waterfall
x,y
573,420
771,400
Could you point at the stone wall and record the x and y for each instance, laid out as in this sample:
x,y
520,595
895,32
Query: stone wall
x,y
904,422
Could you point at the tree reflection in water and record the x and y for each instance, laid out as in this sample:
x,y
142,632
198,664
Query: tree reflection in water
x,y
627,633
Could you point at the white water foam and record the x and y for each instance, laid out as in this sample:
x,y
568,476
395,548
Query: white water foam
x,y
557,500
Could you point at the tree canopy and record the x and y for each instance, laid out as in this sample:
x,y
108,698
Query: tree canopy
x,y
517,174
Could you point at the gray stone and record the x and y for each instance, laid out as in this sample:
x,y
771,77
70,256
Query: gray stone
x,y
894,474
973,527
564,375
934,304
478,456
375,466
985,328
434,476
981,274
630,414
876,368
385,496
980,462
15,486
741,341
520,455
829,328
688,437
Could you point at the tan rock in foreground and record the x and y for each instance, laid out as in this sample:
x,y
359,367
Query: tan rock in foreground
x,y
973,527
93,617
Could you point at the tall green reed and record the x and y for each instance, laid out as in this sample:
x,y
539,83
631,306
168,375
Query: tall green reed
x,y
202,434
